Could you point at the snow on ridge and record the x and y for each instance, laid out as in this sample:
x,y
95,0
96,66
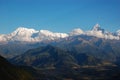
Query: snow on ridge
x,y
77,31
97,31
53,34
32,35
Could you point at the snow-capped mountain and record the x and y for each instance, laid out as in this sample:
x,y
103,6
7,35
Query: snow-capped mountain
x,y
98,28
97,31
22,34
31,35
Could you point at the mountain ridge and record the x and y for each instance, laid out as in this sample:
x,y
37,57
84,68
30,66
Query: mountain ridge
x,y
51,56
31,35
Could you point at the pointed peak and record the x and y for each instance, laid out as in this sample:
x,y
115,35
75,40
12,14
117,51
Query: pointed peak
x,y
96,27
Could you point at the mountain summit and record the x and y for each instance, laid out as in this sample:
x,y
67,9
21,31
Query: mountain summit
x,y
98,28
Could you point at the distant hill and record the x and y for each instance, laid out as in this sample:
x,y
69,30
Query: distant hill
x,y
54,57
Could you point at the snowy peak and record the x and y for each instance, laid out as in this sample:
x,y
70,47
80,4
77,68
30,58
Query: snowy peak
x,y
77,31
23,31
31,35
98,28
21,34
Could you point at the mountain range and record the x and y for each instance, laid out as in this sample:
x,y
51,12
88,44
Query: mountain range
x,y
78,55
30,35
96,40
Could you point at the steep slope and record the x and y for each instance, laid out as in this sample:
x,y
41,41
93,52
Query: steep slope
x,y
10,72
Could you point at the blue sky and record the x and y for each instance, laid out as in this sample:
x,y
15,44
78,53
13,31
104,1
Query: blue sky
x,y
59,15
